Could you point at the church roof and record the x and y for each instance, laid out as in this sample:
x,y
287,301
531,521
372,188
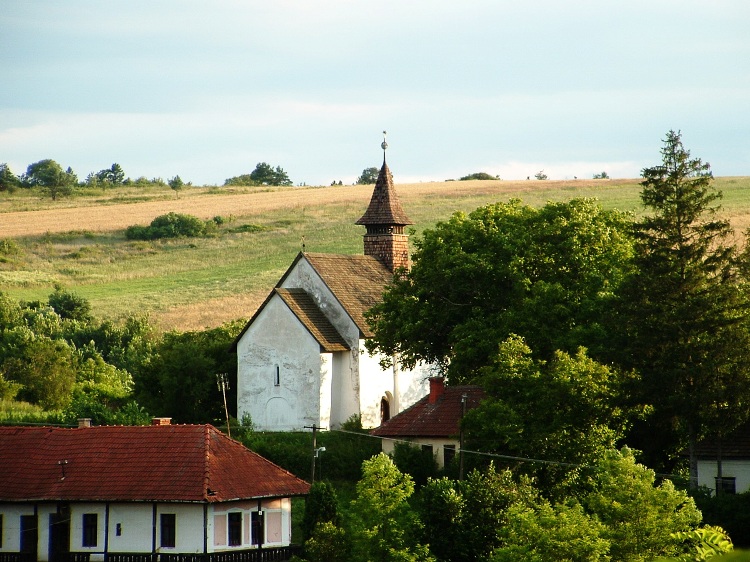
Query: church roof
x,y
356,281
304,308
187,463
385,207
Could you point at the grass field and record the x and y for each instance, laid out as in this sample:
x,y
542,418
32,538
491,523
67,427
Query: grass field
x,y
79,243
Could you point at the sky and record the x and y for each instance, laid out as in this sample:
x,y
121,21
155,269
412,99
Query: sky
x,y
206,90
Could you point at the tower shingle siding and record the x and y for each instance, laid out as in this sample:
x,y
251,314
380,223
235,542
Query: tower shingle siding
x,y
385,220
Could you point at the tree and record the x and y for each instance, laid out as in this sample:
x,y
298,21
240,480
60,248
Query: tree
x,y
602,176
176,184
50,176
243,179
386,525
8,180
112,176
684,312
321,506
479,176
369,176
546,274
565,411
265,174
70,305
540,175
641,517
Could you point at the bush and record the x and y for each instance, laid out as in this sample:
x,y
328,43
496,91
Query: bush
x,y
171,225
479,176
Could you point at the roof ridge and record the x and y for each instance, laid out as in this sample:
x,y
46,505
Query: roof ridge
x,y
206,459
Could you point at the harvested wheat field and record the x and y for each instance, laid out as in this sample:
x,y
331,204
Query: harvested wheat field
x,y
206,204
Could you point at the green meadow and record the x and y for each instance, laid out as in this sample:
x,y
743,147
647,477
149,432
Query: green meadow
x,y
192,283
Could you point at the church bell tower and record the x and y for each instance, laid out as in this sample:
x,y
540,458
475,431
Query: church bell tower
x,y
385,220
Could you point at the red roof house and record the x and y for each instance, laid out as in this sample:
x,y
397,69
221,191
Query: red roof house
x,y
434,421
110,490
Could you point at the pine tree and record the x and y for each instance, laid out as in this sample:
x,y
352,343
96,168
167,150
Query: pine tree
x,y
687,309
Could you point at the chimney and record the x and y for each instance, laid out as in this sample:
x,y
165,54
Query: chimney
x,y
437,387
161,421
84,422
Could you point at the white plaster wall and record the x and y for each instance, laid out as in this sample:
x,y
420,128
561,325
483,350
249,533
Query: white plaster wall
x,y
278,510
136,523
76,526
12,526
304,276
277,338
325,390
739,469
388,446
344,389
375,382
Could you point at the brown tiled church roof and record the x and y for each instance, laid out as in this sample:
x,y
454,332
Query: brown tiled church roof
x,y
188,463
385,207
312,318
357,282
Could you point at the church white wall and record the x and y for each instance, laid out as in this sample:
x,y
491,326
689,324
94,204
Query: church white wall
x,y
277,339
303,276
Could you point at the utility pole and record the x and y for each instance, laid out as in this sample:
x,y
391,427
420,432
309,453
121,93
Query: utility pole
x,y
314,428
461,440
223,384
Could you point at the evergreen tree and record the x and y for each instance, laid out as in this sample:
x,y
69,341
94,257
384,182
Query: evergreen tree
x,y
685,311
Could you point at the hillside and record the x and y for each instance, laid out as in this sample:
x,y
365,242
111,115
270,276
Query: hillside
x,y
79,243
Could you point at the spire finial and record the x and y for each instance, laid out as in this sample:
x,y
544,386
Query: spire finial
x,y
384,145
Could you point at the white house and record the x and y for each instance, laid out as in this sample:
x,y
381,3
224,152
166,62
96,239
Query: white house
x,y
725,465
434,422
130,493
301,359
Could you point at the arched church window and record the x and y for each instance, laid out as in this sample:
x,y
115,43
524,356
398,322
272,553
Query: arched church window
x,y
385,410
277,376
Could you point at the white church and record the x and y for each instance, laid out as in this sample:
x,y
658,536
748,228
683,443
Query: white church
x,y
301,359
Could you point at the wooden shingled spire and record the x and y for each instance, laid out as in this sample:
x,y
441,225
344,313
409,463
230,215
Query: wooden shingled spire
x,y
385,220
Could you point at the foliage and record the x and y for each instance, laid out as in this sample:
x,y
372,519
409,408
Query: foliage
x,y
112,176
328,543
265,174
730,512
179,381
171,225
384,524
707,542
417,462
369,176
50,176
602,176
8,180
479,176
641,518
565,411
321,506
540,175
545,532
242,179
684,312
176,183
546,274
70,305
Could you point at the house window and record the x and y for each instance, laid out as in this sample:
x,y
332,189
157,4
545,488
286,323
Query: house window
x,y
90,531
168,524
277,376
235,529
427,452
726,485
449,453
256,525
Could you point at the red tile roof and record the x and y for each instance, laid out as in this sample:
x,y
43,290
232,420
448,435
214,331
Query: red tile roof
x,y
190,463
385,207
439,419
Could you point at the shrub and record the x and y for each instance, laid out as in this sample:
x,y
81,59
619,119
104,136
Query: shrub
x,y
171,225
